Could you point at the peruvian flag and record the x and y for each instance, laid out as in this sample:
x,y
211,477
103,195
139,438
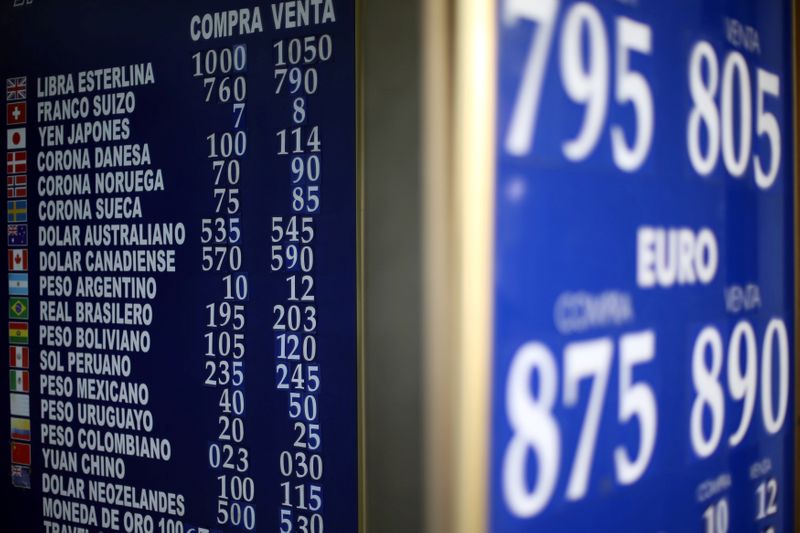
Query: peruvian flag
x,y
18,260
18,356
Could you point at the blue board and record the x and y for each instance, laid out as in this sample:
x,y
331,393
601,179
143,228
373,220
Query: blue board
x,y
643,349
221,286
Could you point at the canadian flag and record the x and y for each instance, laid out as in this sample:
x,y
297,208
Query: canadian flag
x,y
18,260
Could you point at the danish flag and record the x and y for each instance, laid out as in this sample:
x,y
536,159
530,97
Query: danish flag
x,y
17,162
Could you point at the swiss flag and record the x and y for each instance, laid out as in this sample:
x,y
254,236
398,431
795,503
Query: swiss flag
x,y
18,260
16,113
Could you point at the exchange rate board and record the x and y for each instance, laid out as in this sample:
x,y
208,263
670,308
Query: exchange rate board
x,y
182,258
643,348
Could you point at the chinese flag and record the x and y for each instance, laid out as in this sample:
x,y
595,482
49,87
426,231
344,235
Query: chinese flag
x,y
20,453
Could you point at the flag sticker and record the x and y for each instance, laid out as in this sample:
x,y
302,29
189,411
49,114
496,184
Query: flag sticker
x,y
21,476
19,381
18,356
18,308
20,453
18,235
17,162
20,428
16,88
18,211
18,332
20,405
16,113
18,260
15,139
18,284
17,186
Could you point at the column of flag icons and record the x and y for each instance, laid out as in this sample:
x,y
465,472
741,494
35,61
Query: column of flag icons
x,y
18,296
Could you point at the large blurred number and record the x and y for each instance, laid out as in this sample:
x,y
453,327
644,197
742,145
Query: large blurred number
x,y
636,400
531,391
588,87
735,68
704,111
776,330
742,385
535,429
523,119
709,392
584,65
766,124
710,129
583,360
632,87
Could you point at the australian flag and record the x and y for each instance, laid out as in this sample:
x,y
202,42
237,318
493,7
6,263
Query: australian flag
x,y
21,476
18,235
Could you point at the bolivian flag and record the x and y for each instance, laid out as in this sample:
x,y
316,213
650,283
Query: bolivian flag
x,y
18,332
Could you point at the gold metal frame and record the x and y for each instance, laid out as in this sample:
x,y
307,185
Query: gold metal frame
x,y
459,102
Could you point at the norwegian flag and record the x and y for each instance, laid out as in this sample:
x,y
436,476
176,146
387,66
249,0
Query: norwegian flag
x,y
18,260
16,88
16,113
17,162
18,186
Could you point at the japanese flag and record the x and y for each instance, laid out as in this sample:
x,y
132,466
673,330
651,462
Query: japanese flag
x,y
16,139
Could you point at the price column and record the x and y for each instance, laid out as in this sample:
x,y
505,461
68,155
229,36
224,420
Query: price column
x,y
297,366
225,87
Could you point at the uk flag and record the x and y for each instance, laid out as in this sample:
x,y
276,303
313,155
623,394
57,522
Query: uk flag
x,y
17,88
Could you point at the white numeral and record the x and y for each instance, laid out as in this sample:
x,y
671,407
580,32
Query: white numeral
x,y
583,360
585,76
523,120
588,87
534,427
741,383
636,400
719,123
536,430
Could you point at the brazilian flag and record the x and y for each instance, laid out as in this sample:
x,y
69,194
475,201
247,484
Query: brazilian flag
x,y
18,308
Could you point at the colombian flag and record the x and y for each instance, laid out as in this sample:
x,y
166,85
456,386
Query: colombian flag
x,y
20,428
